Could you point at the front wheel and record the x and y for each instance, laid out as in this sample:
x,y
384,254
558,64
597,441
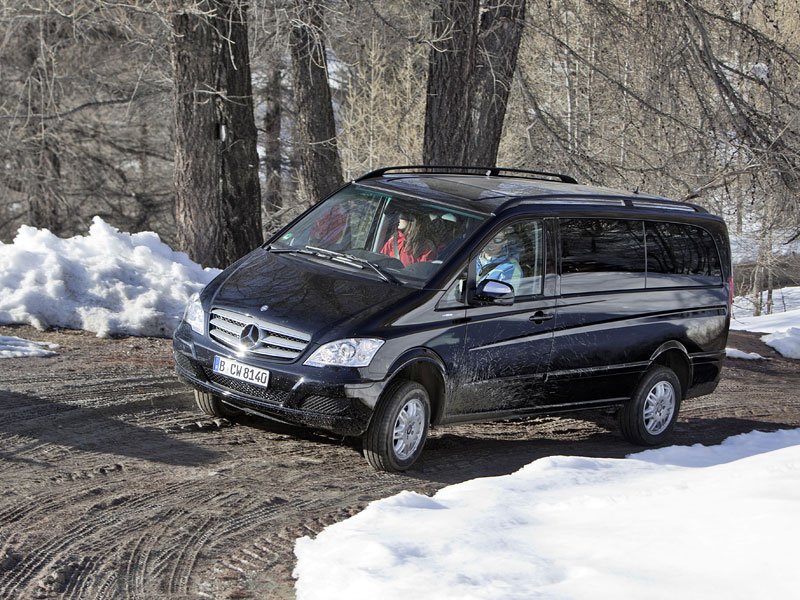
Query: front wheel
x,y
399,427
213,406
649,416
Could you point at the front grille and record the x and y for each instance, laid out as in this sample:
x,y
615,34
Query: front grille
x,y
325,404
274,341
271,396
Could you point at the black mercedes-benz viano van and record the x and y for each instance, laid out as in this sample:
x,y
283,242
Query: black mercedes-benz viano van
x,y
419,296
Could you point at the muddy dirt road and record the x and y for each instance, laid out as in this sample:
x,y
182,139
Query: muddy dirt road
x,y
112,485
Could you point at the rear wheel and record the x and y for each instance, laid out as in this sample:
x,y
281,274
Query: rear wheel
x,y
650,415
213,406
399,427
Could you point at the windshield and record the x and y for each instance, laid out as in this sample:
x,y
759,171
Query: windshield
x,y
401,239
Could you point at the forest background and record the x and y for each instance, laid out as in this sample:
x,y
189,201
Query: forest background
x,y
215,122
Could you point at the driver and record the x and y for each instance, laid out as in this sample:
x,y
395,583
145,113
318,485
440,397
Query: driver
x,y
496,261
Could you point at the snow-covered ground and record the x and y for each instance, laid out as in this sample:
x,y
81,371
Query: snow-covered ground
x,y
741,355
14,347
786,306
678,522
696,522
783,325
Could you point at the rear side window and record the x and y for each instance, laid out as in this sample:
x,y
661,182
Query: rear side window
x,y
601,254
681,255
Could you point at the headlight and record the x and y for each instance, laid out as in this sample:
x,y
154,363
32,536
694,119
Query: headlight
x,y
194,314
345,353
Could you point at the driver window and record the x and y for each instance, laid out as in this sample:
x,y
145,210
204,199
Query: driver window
x,y
514,255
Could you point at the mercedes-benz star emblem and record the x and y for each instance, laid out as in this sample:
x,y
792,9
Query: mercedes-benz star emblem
x,y
250,336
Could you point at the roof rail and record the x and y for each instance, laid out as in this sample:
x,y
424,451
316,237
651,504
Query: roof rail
x,y
488,171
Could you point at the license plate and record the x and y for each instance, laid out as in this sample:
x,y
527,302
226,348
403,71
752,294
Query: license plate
x,y
237,370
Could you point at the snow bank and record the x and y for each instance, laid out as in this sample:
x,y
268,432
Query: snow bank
x,y
779,321
14,347
107,282
783,324
741,355
787,343
697,522
786,311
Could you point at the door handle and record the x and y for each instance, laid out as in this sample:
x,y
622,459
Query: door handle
x,y
540,317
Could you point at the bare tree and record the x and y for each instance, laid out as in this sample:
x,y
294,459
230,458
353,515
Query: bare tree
x,y
241,192
691,99
217,207
320,165
73,144
46,203
382,54
273,116
198,210
501,29
448,119
469,79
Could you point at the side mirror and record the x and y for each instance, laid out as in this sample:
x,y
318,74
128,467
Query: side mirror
x,y
492,291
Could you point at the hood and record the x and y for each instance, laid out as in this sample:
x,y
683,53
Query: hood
x,y
302,293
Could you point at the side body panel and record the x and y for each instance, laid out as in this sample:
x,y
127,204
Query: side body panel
x,y
603,343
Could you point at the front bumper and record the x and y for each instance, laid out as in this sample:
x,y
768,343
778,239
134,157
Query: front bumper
x,y
341,404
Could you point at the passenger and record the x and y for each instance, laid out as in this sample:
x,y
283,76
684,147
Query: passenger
x,y
496,261
330,228
444,231
411,242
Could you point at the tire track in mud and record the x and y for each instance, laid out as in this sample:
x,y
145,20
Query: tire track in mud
x,y
105,530
113,486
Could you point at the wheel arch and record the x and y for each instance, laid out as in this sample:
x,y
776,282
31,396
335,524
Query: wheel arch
x,y
426,368
674,356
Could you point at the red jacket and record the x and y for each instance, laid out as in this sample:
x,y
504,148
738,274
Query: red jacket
x,y
402,252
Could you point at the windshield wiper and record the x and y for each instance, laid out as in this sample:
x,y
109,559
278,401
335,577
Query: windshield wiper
x,y
350,259
383,273
277,250
324,252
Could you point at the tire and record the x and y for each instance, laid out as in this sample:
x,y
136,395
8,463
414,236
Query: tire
x,y
398,430
213,406
649,416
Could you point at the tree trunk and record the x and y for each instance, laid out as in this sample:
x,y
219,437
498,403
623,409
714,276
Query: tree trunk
x,y
198,210
471,67
452,60
273,200
217,195
241,190
45,200
498,47
320,165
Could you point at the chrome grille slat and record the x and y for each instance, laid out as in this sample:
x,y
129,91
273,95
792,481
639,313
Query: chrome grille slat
x,y
275,341
282,342
226,338
227,326
230,315
275,352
